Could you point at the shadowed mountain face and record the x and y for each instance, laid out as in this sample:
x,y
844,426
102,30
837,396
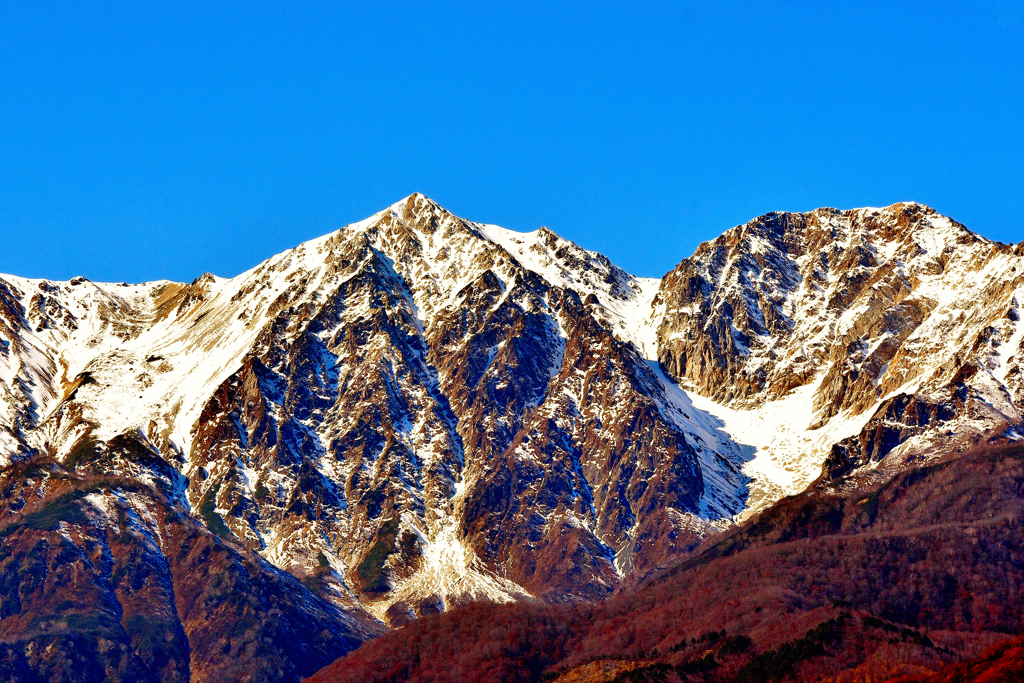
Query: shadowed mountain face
x,y
418,411
101,580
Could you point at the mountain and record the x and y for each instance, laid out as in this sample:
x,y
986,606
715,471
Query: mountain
x,y
855,340
102,578
419,411
872,583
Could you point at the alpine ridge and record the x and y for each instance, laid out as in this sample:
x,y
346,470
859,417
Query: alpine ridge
x,y
418,411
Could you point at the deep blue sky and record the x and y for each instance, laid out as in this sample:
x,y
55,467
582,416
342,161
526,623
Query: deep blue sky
x,y
144,140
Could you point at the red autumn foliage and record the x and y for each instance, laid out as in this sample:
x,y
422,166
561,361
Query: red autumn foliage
x,y
1002,663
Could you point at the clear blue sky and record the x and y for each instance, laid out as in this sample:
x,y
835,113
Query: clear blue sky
x,y
143,140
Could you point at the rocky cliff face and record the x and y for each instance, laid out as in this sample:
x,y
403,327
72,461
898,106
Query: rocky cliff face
x,y
102,580
881,332
863,584
418,410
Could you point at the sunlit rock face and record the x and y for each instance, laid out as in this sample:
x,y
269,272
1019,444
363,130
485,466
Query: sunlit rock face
x,y
891,332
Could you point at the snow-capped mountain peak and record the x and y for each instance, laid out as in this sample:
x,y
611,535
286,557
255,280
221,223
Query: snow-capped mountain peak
x,y
431,410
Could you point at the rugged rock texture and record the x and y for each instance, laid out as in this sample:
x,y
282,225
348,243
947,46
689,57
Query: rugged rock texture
x,y
891,325
859,585
854,298
102,580
409,413
418,411
421,379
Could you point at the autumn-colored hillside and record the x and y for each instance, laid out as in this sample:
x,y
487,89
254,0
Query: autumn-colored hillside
x,y
1001,663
